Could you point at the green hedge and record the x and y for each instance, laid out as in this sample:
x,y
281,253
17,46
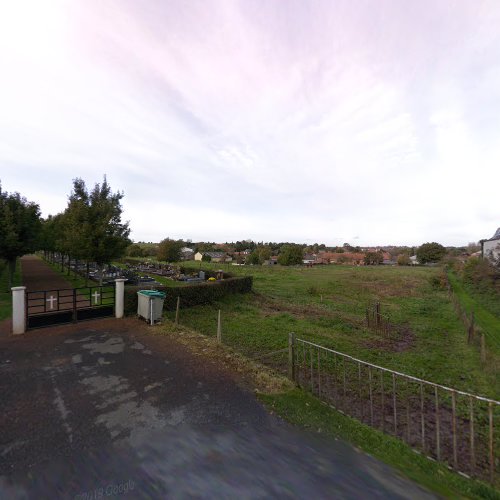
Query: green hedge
x,y
191,295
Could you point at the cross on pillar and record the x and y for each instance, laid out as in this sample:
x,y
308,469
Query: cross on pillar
x,y
96,296
52,299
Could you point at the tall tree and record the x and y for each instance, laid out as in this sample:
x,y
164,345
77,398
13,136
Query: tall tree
x,y
290,255
170,250
20,226
93,226
430,252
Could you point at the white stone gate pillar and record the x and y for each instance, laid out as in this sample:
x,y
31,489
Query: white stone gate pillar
x,y
18,309
119,297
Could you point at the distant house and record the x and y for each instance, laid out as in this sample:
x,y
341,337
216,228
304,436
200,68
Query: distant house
x,y
309,259
413,260
490,249
187,253
214,256
271,262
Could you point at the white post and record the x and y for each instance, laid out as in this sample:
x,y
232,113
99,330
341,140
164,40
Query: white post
x,y
18,309
219,329
119,297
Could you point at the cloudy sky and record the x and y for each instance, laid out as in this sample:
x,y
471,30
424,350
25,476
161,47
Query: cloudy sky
x,y
369,122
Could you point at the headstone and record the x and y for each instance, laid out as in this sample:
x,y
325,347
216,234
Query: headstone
x,y
202,275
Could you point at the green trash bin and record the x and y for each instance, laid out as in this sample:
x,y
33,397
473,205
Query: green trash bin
x,y
150,305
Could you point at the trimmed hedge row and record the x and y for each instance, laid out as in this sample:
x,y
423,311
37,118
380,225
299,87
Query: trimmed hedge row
x,y
191,295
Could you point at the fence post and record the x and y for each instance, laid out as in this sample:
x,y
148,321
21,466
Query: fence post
x,y
291,356
119,297
471,327
177,310
219,329
483,349
18,309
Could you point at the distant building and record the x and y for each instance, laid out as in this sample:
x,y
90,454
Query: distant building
x,y
187,253
214,256
490,249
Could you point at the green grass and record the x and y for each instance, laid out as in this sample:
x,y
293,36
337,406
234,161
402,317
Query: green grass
x,y
488,322
327,305
306,411
5,293
76,281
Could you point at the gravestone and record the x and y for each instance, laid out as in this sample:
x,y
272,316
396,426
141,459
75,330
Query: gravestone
x,y
202,275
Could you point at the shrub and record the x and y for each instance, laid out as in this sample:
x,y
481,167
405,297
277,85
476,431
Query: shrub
x,y
192,295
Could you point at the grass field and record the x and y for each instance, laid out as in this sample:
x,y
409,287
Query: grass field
x,y
5,294
485,311
327,305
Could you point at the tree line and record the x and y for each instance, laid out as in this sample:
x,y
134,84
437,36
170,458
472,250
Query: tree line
x,y
89,230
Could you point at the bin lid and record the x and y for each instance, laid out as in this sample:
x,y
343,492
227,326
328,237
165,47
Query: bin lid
x,y
152,293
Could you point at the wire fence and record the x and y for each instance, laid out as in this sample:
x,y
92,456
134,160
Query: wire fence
x,y
445,424
377,321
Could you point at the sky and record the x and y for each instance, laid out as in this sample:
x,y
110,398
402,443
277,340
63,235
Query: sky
x,y
274,120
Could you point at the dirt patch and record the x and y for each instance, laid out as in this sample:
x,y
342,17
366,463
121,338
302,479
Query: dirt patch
x,y
400,339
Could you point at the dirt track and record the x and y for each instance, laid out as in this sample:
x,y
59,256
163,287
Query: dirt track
x,y
38,275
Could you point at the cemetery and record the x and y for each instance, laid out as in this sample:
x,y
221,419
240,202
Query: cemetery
x,y
137,273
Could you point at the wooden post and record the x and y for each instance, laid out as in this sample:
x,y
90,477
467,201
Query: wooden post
x,y
454,427
177,310
408,411
219,329
371,395
383,399
378,315
360,386
291,356
470,336
422,417
319,374
483,349
438,434
312,373
492,458
471,432
394,404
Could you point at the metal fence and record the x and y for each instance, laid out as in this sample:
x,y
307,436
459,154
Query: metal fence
x,y
445,424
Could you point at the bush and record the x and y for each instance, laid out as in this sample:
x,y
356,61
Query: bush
x,y
191,295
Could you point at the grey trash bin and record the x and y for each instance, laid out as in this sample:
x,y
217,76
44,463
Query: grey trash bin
x,y
150,305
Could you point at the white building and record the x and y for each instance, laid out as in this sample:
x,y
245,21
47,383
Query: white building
x,y
491,248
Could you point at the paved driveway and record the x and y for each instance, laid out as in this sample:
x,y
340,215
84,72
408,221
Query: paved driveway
x,y
104,409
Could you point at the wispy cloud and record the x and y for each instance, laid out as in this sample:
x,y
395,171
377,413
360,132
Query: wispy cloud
x,y
271,120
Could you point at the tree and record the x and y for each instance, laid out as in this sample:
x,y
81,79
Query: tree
x,y
403,259
430,252
169,250
94,230
252,258
20,227
290,255
206,258
373,258
135,250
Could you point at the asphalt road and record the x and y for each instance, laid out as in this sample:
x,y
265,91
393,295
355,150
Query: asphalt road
x,y
103,410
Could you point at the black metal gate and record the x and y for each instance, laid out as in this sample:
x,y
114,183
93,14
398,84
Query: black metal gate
x,y
69,305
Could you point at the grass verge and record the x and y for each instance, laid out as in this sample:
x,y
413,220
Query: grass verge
x,y
5,294
488,322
